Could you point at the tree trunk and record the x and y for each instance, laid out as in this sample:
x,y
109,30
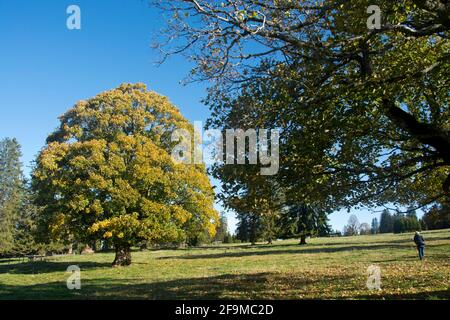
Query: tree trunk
x,y
302,240
123,256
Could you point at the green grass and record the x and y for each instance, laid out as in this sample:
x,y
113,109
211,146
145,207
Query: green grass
x,y
326,268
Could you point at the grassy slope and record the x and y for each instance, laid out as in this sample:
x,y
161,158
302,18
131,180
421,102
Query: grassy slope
x,y
325,268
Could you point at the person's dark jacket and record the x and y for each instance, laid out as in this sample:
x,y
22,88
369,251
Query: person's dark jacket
x,y
418,239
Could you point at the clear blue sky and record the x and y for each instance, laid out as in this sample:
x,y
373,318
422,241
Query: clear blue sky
x,y
45,68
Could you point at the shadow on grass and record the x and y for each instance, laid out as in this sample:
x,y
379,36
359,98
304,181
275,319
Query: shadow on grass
x,y
229,286
48,266
294,248
300,249
399,241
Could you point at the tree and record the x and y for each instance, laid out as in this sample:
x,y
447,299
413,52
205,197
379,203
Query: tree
x,y
228,238
11,192
400,224
363,112
249,227
221,229
107,173
413,223
386,222
256,199
437,217
375,227
269,226
406,223
352,227
300,221
323,227
364,229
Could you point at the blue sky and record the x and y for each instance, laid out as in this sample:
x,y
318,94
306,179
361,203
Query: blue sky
x,y
45,67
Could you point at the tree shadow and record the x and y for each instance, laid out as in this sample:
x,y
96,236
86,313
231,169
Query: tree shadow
x,y
428,238
37,267
230,247
305,250
228,286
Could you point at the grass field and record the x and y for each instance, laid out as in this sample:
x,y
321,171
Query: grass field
x,y
326,268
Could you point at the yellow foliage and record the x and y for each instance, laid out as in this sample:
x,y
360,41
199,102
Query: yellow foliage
x,y
108,168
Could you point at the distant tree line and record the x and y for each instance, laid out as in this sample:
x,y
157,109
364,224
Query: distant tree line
x,y
399,222
438,217
292,221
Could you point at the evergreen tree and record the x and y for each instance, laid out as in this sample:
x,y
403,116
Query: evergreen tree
x,y
221,229
25,233
386,222
250,227
242,228
413,221
303,221
406,223
375,226
255,228
400,224
437,217
11,192
269,226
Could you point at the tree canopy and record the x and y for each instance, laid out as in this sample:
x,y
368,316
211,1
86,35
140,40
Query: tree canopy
x,y
107,173
363,112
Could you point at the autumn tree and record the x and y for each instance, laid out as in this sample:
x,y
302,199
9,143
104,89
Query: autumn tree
x,y
363,112
107,173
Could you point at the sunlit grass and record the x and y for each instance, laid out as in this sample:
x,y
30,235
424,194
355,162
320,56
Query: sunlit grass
x,y
326,268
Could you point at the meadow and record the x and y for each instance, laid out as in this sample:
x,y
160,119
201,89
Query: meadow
x,y
325,268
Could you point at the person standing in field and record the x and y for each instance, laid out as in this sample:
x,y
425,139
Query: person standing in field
x,y
420,243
